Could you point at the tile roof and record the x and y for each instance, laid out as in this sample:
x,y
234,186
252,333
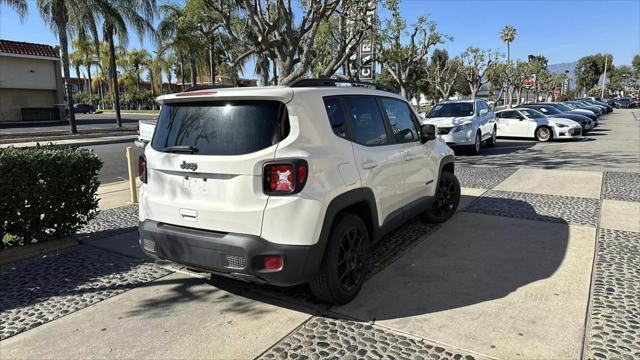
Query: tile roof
x,y
30,49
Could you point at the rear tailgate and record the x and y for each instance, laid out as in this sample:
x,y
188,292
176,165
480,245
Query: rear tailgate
x,y
219,186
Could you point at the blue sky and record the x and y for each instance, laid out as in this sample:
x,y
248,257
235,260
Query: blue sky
x,y
562,30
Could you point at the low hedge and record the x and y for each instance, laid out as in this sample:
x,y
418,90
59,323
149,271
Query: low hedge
x,y
46,192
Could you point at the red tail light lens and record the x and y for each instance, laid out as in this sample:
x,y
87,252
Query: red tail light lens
x,y
283,178
272,262
142,168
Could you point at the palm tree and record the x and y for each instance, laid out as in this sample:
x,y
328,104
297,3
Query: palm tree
x,y
508,35
87,58
137,58
180,33
115,16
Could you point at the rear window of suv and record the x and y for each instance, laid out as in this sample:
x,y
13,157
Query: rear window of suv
x,y
221,127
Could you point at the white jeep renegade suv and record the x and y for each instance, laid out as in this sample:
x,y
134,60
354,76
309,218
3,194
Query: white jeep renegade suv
x,y
289,185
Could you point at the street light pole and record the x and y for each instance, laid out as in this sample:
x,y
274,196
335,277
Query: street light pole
x,y
604,77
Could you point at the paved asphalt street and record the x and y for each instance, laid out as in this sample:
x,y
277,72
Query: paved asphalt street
x,y
114,166
102,121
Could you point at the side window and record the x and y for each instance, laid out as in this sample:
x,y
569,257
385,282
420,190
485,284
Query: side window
x,y
543,110
508,114
400,119
366,120
334,112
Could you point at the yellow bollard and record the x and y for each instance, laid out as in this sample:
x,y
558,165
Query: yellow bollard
x,y
133,189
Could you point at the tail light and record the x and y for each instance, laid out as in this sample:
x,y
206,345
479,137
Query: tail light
x,y
142,168
285,177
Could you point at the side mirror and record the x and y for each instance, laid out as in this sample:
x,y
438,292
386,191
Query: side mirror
x,y
427,132
483,111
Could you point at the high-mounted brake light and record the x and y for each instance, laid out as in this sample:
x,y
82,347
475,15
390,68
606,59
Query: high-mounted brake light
x,y
285,177
142,168
196,93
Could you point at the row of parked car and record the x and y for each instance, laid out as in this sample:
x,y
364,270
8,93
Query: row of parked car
x,y
470,123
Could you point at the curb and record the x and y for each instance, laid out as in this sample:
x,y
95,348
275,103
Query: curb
x,y
15,254
78,142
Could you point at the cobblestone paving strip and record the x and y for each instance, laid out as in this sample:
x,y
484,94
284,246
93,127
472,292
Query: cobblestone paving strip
x,y
341,339
548,208
111,222
482,177
621,186
48,287
615,299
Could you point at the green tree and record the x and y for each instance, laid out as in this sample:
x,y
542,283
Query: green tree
x,y
117,16
475,64
401,58
508,35
636,63
442,72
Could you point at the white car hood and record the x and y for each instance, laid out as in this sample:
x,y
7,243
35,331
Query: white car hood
x,y
563,121
447,121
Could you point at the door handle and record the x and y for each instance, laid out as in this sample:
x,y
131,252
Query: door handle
x,y
369,165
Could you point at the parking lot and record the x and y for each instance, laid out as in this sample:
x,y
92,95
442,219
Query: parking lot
x,y
541,261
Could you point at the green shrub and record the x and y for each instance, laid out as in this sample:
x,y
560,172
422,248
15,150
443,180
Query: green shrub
x,y
46,192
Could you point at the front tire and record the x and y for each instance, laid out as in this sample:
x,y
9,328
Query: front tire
x,y
543,134
491,142
475,148
345,264
446,199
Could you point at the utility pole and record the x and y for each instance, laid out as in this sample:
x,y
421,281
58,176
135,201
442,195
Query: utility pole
x,y
604,77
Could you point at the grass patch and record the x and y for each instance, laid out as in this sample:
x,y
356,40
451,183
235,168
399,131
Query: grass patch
x,y
155,112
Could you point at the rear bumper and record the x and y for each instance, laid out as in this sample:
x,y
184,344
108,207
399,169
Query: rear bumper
x,y
238,256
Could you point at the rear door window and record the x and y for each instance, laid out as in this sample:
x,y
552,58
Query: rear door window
x,y
366,120
220,127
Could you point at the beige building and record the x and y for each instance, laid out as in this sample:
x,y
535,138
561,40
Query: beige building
x,y
31,84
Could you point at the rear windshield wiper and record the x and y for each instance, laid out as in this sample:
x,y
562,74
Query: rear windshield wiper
x,y
187,149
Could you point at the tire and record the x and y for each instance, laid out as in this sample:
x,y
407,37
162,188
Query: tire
x,y
543,134
346,262
475,148
491,142
446,200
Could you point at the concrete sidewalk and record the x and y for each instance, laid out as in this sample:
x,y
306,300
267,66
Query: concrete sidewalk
x,y
86,141
115,194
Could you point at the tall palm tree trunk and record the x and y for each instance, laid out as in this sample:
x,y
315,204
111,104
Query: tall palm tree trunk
x,y
114,76
182,71
60,19
90,82
192,65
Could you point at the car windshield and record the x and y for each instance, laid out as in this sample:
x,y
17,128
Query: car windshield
x,y
571,105
451,110
547,109
561,107
534,114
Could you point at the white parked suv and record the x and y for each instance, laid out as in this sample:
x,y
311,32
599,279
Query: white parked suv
x,y
289,185
465,123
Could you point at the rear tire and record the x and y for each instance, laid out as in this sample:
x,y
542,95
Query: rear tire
x,y
446,200
346,262
543,134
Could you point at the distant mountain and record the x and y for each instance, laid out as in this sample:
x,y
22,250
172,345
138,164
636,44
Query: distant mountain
x,y
561,68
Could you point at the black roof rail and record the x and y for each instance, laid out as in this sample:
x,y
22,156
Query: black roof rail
x,y
335,82
207,87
